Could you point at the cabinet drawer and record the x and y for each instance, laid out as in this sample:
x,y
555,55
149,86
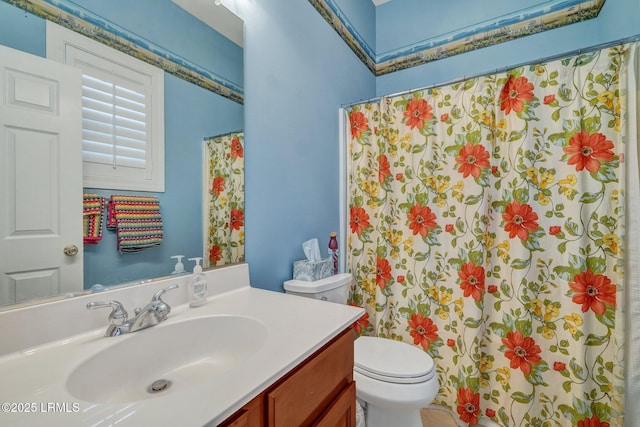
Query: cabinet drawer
x,y
304,395
342,412
251,415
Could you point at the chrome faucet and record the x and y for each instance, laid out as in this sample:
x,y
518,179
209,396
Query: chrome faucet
x,y
152,314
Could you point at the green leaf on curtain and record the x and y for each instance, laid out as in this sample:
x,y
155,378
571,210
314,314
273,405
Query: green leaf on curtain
x,y
520,397
469,83
590,197
517,134
562,247
591,124
520,264
472,200
500,329
571,227
565,93
608,318
470,322
555,116
597,264
505,289
602,411
593,340
504,419
524,326
607,172
586,58
577,370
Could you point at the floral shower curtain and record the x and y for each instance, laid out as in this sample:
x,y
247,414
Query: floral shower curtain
x,y
224,199
487,225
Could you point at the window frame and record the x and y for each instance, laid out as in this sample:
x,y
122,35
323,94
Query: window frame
x,y
98,175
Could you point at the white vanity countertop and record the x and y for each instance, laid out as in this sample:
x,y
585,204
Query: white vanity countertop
x,y
34,380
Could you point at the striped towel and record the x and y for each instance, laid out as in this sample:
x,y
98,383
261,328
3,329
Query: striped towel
x,y
137,222
92,211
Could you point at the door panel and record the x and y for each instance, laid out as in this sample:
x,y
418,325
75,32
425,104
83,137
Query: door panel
x,y
40,177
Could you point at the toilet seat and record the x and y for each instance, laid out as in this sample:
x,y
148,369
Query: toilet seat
x,y
392,361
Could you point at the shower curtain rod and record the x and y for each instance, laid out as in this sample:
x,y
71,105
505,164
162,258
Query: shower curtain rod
x,y
623,40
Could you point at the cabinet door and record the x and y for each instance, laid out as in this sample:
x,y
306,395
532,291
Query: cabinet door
x,y
303,397
342,412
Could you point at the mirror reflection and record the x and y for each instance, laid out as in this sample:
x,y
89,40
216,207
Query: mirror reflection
x,y
202,71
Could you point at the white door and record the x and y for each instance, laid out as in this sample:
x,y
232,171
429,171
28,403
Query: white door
x,y
40,177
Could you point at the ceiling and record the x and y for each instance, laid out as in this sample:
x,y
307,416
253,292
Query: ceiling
x,y
217,17
379,2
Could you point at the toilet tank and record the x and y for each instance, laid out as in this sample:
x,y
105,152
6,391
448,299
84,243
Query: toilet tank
x,y
333,288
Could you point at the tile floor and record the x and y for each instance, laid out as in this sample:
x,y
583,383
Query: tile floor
x,y
438,418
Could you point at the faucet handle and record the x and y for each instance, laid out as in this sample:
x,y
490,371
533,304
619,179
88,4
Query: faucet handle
x,y
118,315
161,308
157,295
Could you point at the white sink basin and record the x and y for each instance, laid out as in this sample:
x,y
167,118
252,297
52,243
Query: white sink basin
x,y
182,353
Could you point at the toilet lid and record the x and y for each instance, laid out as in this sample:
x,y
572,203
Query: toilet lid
x,y
392,361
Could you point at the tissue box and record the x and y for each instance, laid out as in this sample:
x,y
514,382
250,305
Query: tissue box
x,y
312,270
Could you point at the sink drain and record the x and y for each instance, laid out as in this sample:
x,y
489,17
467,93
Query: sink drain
x,y
158,386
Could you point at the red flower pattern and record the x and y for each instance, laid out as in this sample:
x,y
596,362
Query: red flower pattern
x,y
521,351
520,220
594,421
359,220
468,405
384,168
593,291
237,219
236,148
215,254
472,280
217,186
587,151
559,366
515,93
421,220
383,272
472,159
418,111
359,123
362,323
423,330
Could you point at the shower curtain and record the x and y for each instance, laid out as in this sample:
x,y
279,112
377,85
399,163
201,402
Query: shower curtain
x,y
487,227
224,199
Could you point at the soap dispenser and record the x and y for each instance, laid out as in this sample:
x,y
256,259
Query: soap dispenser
x,y
179,268
197,288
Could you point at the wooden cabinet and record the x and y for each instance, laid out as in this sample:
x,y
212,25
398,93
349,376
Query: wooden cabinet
x,y
319,392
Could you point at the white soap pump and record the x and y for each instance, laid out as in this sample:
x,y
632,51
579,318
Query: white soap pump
x,y
197,288
179,268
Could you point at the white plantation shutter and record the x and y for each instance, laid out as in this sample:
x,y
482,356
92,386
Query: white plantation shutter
x,y
114,124
122,113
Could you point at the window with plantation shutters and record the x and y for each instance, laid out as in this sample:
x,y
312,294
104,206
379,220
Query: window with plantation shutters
x,y
122,113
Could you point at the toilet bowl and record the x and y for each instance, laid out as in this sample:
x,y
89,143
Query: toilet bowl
x,y
393,379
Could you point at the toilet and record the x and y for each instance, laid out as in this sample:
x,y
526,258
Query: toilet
x,y
394,380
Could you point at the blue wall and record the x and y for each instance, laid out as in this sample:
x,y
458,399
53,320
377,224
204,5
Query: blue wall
x,y
617,19
298,72
191,114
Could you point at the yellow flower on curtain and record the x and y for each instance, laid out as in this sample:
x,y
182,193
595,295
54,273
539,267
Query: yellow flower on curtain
x,y
225,199
492,236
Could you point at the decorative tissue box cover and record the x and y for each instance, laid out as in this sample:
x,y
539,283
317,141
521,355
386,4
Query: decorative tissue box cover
x,y
312,270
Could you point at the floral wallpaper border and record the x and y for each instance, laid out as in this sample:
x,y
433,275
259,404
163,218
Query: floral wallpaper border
x,y
504,28
88,24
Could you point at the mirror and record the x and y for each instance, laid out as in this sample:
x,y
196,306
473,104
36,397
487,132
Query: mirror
x,y
203,80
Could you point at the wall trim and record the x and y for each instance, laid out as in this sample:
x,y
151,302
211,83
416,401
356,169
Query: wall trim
x,y
552,14
80,20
